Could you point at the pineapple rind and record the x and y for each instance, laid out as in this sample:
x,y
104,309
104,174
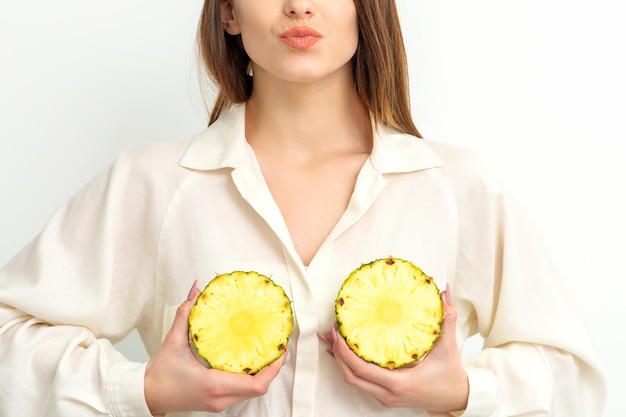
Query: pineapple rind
x,y
241,322
389,312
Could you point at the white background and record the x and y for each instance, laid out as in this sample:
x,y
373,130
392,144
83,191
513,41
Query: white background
x,y
537,87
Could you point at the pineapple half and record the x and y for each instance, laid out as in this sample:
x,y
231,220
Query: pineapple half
x,y
241,322
389,312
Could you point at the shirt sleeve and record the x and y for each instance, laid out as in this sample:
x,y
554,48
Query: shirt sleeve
x,y
65,299
538,357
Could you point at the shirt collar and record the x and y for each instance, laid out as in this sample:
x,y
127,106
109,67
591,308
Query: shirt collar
x,y
224,145
221,145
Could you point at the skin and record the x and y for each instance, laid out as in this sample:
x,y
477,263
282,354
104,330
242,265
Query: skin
x,y
310,164
176,381
438,383
311,135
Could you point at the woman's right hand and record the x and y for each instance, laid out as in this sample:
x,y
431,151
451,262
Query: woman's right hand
x,y
176,381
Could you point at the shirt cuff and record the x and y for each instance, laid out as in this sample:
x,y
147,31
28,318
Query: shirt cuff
x,y
125,390
483,392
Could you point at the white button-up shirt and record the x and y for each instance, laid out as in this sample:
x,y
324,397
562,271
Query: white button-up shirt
x,y
124,251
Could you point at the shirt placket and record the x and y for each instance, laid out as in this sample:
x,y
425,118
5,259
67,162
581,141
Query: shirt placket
x,y
368,186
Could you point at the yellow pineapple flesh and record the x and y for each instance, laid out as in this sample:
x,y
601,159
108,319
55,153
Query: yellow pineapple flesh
x,y
389,312
241,322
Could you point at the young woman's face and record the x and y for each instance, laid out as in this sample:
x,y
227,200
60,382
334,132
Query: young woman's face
x,y
295,40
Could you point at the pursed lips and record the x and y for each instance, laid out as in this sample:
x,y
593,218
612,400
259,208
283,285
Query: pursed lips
x,y
302,37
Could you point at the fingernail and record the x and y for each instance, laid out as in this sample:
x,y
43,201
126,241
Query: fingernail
x,y
192,291
333,334
448,294
324,339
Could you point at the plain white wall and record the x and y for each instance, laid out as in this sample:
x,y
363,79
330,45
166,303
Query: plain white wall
x,y
537,87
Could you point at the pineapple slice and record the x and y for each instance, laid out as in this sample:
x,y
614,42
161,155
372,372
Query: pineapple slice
x,y
389,312
241,322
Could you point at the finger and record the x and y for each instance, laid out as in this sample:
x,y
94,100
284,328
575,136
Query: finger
x,y
179,332
361,373
242,386
353,373
269,372
326,338
448,327
193,291
446,344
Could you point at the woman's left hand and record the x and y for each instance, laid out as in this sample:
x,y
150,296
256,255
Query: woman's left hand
x,y
437,383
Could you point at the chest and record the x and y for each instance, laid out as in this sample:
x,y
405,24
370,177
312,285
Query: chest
x,y
218,223
312,197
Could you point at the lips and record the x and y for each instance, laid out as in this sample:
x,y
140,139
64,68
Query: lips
x,y
301,37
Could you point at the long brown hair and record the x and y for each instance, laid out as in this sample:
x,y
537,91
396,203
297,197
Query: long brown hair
x,y
379,64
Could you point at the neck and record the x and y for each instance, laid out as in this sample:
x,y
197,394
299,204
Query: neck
x,y
307,116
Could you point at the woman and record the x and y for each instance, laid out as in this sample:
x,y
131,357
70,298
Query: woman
x,y
311,166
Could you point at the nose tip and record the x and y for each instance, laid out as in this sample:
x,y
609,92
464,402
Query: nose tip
x,y
299,8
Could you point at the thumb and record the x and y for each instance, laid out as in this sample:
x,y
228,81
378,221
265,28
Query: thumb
x,y
448,326
179,332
